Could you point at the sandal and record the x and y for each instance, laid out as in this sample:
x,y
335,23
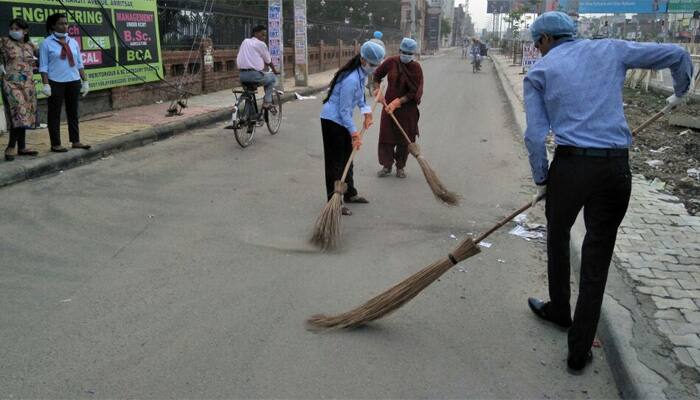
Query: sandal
x,y
357,199
400,173
59,149
345,211
78,145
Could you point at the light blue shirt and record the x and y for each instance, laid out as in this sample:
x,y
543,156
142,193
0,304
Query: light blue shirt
x,y
576,91
347,94
50,61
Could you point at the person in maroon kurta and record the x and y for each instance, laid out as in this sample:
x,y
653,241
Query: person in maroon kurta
x,y
403,95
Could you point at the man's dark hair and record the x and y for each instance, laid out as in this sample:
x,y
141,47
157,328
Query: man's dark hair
x,y
21,24
52,19
258,28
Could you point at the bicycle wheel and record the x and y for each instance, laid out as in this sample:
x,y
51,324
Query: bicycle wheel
x,y
244,130
273,115
474,66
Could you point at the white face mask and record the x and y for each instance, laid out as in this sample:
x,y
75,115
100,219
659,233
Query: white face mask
x,y
59,34
406,58
368,69
17,35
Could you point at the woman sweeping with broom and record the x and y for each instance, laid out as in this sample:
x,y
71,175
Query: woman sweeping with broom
x,y
340,135
403,95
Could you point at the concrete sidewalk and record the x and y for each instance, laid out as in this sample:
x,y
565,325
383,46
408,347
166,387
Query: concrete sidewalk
x,y
650,324
127,128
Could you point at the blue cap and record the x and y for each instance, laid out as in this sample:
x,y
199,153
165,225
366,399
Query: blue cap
x,y
554,23
372,52
408,45
378,35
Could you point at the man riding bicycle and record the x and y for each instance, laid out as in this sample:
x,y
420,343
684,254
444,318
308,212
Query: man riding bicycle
x,y
253,58
475,53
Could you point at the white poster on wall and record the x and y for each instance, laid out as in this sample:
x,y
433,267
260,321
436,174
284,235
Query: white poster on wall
x,y
274,36
530,55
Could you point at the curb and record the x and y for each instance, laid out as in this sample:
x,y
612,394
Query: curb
x,y
633,379
12,173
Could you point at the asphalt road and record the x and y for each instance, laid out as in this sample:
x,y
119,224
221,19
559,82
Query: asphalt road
x,y
181,269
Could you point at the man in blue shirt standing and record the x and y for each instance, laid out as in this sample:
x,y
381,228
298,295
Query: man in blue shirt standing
x,y
575,91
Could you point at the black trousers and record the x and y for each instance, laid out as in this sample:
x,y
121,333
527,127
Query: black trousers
x,y
68,92
337,147
601,186
17,138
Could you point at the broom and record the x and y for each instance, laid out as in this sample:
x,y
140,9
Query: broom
x,y
400,294
436,185
327,227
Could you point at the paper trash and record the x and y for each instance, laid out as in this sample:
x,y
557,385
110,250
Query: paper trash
x,y
300,97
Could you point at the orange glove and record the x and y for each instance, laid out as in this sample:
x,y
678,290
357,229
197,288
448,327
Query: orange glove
x,y
369,120
356,141
378,95
396,103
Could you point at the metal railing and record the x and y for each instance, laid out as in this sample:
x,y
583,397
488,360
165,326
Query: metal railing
x,y
181,21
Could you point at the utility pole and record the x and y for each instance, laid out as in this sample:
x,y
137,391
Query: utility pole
x,y
301,54
274,33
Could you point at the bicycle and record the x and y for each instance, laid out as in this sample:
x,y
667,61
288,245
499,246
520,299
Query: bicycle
x,y
247,116
476,64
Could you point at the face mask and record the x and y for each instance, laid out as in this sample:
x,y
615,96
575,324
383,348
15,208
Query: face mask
x,y
406,58
59,34
17,35
368,69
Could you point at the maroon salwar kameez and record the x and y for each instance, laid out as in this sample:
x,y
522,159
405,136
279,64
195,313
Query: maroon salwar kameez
x,y
402,80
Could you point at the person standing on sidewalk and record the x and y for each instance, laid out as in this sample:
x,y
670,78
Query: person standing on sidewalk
x,y
340,135
252,59
17,61
403,94
63,76
575,91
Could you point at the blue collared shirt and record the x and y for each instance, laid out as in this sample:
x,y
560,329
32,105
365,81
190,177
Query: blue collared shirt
x,y
576,91
50,61
347,94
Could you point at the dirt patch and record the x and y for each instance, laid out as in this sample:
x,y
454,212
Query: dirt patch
x,y
665,152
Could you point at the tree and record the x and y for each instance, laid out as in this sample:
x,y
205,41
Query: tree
x,y
445,28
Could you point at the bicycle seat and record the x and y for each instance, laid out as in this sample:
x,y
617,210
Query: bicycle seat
x,y
250,86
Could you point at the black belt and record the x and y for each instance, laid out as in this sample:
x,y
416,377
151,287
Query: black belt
x,y
590,152
248,69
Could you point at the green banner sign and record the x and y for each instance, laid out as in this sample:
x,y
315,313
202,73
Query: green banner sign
x,y
683,6
119,39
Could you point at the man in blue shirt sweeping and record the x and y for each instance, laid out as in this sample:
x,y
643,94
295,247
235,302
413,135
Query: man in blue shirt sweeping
x,y
575,91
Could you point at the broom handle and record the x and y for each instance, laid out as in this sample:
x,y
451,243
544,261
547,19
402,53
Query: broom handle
x,y
354,151
391,114
649,121
505,220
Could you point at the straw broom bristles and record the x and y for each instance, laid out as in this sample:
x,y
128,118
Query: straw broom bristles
x,y
400,294
436,185
327,227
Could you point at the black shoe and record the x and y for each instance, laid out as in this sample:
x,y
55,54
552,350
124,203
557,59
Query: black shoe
x,y
541,309
576,365
58,149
